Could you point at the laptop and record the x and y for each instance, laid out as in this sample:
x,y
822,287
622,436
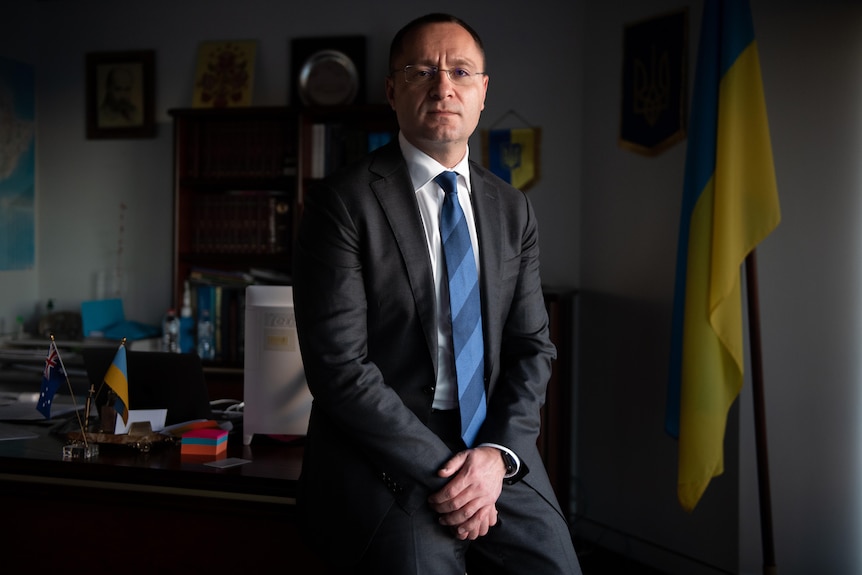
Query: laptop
x,y
157,380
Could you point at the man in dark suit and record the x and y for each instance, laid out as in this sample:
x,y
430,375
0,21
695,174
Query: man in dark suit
x,y
390,484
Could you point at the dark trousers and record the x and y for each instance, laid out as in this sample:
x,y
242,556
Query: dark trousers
x,y
530,537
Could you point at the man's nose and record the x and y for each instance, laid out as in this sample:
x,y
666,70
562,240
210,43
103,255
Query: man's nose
x,y
442,82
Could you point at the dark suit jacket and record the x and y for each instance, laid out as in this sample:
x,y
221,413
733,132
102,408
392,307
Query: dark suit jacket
x,y
365,309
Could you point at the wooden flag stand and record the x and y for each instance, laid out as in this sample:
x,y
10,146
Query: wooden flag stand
x,y
766,534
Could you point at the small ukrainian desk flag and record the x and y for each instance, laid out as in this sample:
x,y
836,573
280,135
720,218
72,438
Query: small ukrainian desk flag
x,y
118,380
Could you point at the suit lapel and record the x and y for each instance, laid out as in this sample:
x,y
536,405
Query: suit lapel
x,y
486,211
394,192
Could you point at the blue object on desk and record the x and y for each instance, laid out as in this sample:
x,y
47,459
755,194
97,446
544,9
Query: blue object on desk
x,y
105,318
98,315
131,330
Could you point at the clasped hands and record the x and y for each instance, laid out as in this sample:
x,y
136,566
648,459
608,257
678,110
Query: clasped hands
x,y
467,504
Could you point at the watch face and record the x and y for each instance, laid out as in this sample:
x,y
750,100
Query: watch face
x,y
328,78
508,461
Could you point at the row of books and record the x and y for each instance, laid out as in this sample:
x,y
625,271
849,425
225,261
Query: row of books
x,y
242,222
226,307
258,149
334,144
222,293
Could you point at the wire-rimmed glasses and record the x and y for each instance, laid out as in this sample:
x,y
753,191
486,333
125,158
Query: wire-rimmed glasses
x,y
427,74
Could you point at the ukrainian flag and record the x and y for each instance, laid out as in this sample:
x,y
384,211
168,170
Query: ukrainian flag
x,y
118,380
730,204
513,156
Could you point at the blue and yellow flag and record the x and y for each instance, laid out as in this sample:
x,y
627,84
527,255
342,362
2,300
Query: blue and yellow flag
x,y
118,380
513,155
730,204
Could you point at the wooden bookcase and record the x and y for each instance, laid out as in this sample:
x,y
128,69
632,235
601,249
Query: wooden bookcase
x,y
235,181
333,136
239,178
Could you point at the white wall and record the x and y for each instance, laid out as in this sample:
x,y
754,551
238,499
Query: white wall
x,y
608,222
809,284
811,281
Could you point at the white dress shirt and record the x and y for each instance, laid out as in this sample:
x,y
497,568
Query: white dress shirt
x,y
429,197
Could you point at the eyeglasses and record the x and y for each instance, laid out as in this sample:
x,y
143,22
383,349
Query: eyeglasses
x,y
427,74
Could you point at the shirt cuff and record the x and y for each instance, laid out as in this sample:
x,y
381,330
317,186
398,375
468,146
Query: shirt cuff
x,y
510,452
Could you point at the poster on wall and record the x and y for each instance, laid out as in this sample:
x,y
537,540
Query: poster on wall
x,y
17,165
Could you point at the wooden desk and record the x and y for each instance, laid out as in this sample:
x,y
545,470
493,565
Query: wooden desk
x,y
131,512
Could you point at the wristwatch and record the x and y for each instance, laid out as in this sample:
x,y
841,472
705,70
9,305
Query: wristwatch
x,y
510,463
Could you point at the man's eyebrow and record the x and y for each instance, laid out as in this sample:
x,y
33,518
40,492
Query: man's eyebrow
x,y
455,62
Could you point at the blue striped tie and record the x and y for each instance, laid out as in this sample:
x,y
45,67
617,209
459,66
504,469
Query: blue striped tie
x,y
465,310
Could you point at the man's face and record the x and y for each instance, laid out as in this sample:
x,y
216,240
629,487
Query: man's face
x,y
439,117
120,85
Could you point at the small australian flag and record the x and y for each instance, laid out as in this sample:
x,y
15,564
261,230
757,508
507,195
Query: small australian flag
x,y
52,377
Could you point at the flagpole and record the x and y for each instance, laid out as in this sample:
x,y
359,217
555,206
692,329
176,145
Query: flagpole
x,y
71,392
766,533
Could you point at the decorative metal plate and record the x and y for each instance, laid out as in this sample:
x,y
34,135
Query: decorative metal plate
x,y
328,78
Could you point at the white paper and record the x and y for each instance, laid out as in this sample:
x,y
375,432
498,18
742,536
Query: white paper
x,y
156,417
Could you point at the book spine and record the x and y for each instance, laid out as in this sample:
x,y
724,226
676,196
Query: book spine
x,y
217,322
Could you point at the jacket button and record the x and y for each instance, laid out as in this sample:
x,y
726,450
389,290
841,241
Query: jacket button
x,y
429,389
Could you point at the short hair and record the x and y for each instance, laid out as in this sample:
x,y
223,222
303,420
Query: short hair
x,y
397,46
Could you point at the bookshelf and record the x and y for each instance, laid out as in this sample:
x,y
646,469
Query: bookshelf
x,y
240,175
235,180
333,136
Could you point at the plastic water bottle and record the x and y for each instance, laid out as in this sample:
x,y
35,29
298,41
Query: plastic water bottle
x,y
206,349
171,332
187,323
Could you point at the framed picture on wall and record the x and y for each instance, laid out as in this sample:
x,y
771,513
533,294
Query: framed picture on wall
x,y
224,76
120,90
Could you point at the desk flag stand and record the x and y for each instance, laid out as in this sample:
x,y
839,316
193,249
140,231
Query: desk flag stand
x,y
139,435
77,448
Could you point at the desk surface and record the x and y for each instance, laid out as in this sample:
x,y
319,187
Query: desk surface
x,y
152,512
270,475
148,512
272,472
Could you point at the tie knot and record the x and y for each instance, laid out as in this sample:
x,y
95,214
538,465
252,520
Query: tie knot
x,y
448,181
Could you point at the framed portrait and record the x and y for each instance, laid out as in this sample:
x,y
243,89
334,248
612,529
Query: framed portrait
x,y
120,94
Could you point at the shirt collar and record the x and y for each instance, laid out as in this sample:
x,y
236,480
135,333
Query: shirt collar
x,y
423,168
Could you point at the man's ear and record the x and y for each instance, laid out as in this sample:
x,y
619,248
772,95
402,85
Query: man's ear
x,y
485,81
389,90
